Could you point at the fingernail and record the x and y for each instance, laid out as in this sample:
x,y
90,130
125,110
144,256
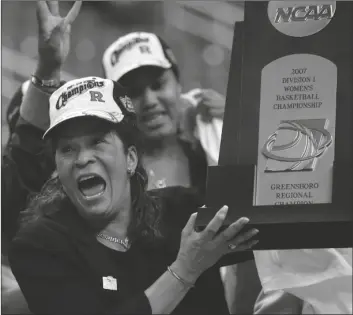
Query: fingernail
x,y
253,243
252,232
244,220
223,211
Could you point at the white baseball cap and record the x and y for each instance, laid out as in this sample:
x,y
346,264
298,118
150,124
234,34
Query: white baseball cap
x,y
135,50
90,96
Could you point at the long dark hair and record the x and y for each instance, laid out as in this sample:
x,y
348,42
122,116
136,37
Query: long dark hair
x,y
146,212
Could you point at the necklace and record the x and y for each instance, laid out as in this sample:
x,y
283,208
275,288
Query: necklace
x,y
125,243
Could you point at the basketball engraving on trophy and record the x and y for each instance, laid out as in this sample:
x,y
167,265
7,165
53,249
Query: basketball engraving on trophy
x,y
296,145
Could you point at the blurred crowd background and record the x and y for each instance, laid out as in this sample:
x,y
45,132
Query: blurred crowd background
x,y
200,34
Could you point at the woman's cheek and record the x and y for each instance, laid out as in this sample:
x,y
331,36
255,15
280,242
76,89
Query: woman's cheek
x,y
64,171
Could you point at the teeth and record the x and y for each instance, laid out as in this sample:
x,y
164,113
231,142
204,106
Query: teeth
x,y
91,186
86,178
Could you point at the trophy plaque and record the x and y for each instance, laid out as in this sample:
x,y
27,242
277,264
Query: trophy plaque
x,y
286,152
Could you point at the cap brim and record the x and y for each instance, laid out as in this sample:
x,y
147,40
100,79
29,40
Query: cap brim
x,y
85,113
164,65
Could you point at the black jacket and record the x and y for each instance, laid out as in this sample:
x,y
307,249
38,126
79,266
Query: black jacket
x,y
26,165
59,265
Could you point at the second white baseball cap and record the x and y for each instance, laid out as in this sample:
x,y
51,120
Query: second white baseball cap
x,y
135,50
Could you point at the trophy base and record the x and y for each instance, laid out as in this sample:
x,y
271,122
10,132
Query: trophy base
x,y
325,225
291,236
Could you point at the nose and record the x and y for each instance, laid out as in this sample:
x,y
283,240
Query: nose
x,y
149,98
84,157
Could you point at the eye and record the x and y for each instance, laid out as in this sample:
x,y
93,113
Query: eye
x,y
66,149
99,140
157,85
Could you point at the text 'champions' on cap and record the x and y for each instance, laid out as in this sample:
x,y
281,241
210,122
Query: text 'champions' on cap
x,y
90,96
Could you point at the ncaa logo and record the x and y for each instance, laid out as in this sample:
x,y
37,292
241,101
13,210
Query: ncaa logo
x,y
299,19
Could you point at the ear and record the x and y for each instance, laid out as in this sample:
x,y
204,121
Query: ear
x,y
131,158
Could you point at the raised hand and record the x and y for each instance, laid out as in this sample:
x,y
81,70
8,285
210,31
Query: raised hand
x,y
54,34
211,104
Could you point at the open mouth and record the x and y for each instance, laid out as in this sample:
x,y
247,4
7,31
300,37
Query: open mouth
x,y
153,121
151,116
91,185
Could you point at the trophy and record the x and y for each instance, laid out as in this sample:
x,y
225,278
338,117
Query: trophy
x,y
286,152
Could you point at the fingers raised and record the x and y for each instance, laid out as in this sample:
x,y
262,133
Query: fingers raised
x,y
73,13
42,10
53,7
212,228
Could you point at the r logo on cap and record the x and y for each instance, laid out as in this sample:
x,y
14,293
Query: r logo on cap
x,y
145,49
96,96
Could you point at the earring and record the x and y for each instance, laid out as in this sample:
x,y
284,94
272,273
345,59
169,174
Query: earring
x,y
130,171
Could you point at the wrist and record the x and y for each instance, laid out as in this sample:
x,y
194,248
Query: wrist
x,y
182,271
44,72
